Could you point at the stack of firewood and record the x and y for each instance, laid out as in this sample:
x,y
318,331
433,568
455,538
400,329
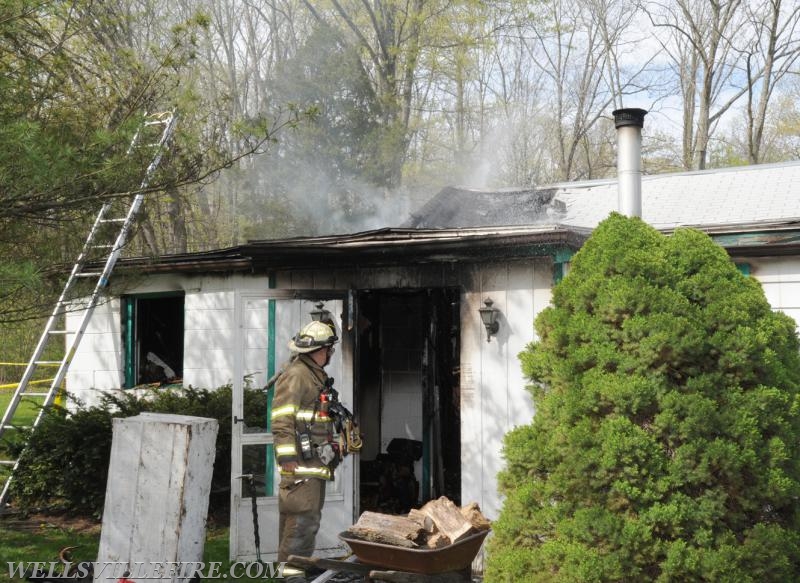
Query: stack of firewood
x,y
437,524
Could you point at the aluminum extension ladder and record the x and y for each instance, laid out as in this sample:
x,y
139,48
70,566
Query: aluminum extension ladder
x,y
154,133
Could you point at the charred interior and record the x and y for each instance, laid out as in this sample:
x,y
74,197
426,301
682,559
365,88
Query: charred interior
x,y
153,338
408,355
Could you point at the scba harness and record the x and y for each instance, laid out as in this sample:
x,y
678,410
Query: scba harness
x,y
343,421
328,406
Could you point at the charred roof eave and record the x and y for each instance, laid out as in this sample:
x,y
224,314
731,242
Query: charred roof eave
x,y
230,260
402,247
388,247
381,248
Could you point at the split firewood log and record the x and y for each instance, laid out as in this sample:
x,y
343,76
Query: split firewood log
x,y
376,536
472,512
387,529
448,519
423,520
436,541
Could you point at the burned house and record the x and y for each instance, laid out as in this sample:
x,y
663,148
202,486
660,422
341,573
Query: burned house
x,y
434,387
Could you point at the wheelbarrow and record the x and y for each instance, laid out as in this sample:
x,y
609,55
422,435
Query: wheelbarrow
x,y
382,562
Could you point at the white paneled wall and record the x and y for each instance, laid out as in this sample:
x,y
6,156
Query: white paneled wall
x,y
209,327
780,279
97,363
493,395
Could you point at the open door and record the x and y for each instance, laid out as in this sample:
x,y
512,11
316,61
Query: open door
x,y
408,393
266,322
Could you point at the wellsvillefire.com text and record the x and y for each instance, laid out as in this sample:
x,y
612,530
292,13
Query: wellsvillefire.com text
x,y
161,570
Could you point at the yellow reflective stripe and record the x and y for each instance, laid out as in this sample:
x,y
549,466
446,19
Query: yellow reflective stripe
x,y
305,414
308,415
287,449
304,471
321,472
284,411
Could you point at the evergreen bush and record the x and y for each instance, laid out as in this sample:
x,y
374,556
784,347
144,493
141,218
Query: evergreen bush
x,y
665,441
65,462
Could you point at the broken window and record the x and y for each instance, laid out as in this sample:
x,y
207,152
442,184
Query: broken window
x,y
152,334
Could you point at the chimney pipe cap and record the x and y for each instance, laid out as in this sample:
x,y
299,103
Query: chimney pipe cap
x,y
632,116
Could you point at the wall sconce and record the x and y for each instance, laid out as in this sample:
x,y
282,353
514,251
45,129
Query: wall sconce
x,y
320,314
489,318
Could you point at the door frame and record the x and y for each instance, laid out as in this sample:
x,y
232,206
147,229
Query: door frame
x,y
239,438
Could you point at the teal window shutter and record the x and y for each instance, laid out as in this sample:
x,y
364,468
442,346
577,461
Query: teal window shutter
x,y
128,341
561,257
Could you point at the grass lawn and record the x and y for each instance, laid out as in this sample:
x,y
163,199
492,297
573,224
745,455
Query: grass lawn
x,y
26,411
42,543
39,540
25,415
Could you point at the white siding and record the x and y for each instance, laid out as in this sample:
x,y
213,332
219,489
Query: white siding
x,y
97,363
493,395
209,330
780,279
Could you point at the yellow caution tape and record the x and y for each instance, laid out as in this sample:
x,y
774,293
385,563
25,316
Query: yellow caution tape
x,y
26,364
14,385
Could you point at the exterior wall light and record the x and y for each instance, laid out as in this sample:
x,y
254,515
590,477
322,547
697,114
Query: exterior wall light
x,y
320,314
489,318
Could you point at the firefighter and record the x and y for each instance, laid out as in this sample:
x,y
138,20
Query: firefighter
x,y
303,439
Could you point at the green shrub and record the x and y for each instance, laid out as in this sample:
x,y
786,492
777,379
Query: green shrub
x,y
665,444
65,463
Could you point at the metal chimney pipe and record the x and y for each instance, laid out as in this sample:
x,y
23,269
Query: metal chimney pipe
x,y
629,123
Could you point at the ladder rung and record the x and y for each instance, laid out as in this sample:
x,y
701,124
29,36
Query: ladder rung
x,y
8,462
6,427
27,394
102,246
89,274
113,220
57,332
46,362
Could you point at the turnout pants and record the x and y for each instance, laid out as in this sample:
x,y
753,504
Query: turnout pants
x,y
300,508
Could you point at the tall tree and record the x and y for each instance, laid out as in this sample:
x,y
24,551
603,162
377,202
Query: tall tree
x,y
578,46
76,78
772,53
324,174
391,35
699,41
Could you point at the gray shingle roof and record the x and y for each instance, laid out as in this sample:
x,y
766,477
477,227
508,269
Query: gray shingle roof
x,y
739,195
767,193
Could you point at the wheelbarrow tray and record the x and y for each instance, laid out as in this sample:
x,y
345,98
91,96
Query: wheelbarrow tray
x,y
425,561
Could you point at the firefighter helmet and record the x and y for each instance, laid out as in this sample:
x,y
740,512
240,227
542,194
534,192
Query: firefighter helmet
x,y
313,336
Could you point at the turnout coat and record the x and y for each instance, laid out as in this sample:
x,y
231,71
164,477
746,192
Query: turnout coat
x,y
298,409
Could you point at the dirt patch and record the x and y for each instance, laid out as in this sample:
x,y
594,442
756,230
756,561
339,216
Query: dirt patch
x,y
61,521
82,524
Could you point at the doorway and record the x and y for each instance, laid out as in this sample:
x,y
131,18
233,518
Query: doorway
x,y
266,320
408,397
